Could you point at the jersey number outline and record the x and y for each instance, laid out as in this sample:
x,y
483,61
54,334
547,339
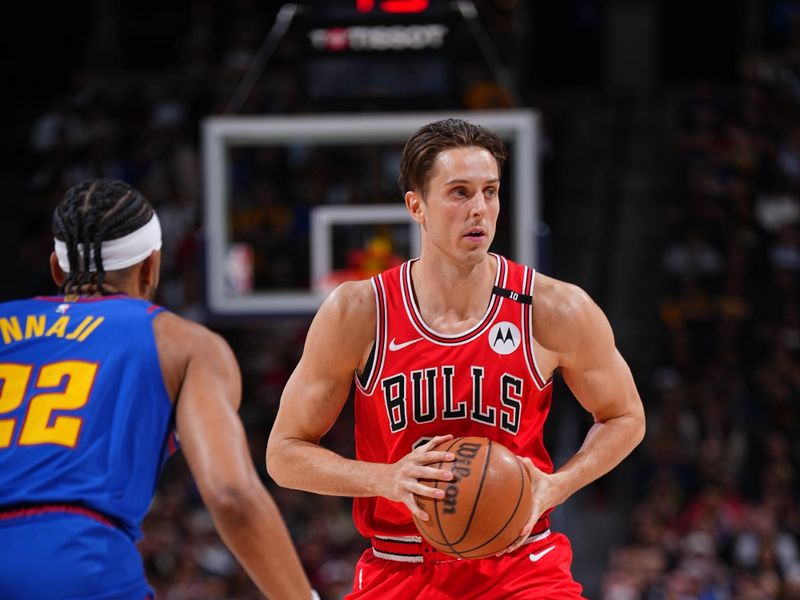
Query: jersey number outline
x,y
53,394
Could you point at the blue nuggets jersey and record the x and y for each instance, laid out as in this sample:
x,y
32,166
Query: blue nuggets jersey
x,y
85,418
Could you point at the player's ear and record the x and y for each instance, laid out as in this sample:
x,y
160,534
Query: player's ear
x,y
415,206
149,274
55,271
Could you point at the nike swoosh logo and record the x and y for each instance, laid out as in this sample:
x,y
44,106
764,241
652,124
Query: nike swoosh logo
x,y
394,346
537,555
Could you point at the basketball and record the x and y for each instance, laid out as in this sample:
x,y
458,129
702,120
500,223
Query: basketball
x,y
486,504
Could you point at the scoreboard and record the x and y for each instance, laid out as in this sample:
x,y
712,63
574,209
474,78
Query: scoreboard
x,y
393,6
378,7
381,51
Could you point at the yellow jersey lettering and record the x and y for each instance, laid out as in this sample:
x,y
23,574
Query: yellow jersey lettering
x,y
34,326
10,329
79,329
58,328
94,325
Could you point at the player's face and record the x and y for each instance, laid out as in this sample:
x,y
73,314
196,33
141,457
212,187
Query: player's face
x,y
459,211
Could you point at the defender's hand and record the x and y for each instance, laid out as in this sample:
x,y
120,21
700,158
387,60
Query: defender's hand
x,y
401,480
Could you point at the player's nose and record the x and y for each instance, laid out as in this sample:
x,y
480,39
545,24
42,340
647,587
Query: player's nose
x,y
478,205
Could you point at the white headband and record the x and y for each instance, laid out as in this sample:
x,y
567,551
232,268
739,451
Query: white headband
x,y
121,252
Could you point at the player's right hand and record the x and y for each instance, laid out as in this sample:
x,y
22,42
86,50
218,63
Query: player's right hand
x,y
401,480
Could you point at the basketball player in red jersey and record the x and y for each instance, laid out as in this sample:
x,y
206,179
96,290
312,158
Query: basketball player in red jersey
x,y
458,342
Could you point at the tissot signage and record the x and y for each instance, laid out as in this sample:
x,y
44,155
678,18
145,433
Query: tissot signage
x,y
379,37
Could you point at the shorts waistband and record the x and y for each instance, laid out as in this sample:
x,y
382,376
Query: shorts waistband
x,y
414,549
31,510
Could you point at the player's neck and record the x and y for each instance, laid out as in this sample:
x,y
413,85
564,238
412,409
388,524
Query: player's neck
x,y
124,287
89,290
454,293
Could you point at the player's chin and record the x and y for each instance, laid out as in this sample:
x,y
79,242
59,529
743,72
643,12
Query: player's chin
x,y
476,254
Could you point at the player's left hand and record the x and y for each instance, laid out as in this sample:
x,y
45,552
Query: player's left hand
x,y
543,496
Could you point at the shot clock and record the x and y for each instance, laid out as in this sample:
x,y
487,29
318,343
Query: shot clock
x,y
393,6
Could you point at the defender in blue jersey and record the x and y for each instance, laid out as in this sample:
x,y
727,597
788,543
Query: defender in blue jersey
x,y
95,383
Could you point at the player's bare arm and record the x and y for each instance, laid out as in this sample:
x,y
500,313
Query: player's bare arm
x,y
572,334
338,345
203,380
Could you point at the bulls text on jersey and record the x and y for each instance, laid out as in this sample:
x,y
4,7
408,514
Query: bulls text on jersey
x,y
424,395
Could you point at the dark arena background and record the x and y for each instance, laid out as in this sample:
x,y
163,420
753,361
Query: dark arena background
x,y
667,180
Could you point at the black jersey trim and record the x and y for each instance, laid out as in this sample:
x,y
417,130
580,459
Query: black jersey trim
x,y
363,378
527,325
374,365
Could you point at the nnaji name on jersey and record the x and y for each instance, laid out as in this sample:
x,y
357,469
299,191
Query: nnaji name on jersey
x,y
15,329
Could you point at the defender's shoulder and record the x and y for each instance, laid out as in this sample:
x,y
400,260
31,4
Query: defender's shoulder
x,y
177,332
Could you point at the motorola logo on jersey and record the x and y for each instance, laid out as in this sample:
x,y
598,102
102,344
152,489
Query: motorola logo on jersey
x,y
504,337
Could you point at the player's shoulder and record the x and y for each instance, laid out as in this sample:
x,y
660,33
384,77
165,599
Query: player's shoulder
x,y
351,300
560,299
176,334
564,314
181,343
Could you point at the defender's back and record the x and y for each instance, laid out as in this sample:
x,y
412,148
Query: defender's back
x,y
85,419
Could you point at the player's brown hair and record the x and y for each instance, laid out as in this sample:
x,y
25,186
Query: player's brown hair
x,y
422,148
93,212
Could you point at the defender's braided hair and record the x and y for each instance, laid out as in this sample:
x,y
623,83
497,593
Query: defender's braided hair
x,y
93,212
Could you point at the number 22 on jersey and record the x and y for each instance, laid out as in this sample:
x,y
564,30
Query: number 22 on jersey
x,y
49,393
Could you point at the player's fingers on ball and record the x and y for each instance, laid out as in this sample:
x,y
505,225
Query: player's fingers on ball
x,y
433,473
513,546
527,530
517,543
416,510
439,439
420,489
436,456
532,520
528,464
528,527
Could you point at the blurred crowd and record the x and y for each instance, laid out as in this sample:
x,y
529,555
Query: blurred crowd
x,y
718,516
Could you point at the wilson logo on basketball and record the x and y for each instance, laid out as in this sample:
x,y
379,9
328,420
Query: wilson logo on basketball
x,y
485,505
504,337
464,455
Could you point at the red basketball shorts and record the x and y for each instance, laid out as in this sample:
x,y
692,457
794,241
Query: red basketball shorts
x,y
537,570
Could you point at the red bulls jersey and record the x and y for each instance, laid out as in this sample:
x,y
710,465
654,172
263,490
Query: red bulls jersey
x,y
482,382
